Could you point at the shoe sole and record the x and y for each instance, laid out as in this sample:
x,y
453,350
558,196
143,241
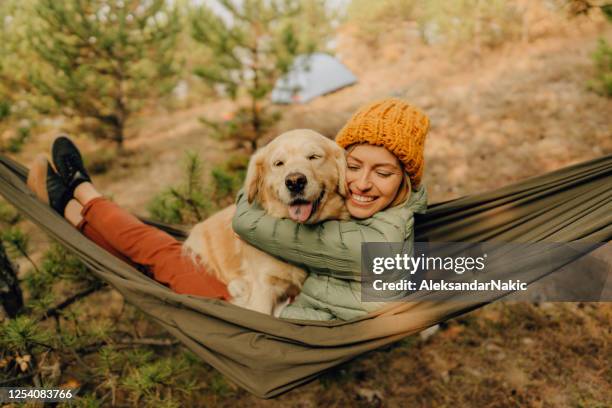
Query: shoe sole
x,y
37,179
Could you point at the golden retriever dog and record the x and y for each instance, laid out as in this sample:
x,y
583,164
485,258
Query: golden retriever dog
x,y
299,175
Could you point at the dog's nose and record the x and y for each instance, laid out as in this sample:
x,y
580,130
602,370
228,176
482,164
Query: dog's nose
x,y
296,182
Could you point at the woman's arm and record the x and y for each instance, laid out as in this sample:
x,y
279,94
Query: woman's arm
x,y
332,247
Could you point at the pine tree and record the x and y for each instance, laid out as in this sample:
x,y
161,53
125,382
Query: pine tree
x,y
16,116
253,43
192,200
602,56
102,60
5,80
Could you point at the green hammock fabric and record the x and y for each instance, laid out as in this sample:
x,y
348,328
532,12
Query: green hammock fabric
x,y
268,356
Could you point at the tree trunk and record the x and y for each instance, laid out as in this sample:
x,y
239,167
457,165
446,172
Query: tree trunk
x,y
255,119
10,291
118,136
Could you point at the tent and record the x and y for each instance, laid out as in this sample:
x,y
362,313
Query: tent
x,y
269,356
311,76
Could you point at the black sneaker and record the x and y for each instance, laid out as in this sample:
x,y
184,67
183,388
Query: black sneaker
x,y
48,185
69,163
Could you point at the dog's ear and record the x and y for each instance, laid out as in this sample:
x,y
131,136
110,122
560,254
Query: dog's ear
x,y
254,177
340,158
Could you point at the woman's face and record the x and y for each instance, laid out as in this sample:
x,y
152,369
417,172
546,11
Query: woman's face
x,y
373,176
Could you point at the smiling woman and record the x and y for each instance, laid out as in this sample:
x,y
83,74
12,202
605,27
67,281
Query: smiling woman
x,y
384,144
375,180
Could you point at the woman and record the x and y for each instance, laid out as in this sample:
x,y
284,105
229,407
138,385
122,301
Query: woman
x,y
385,158
385,143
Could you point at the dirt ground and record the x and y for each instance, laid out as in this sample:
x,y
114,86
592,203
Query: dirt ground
x,y
497,117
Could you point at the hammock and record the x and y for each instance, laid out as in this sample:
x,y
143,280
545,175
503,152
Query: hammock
x,y
268,356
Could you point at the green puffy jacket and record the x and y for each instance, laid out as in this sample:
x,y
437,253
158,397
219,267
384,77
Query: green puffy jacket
x,y
329,251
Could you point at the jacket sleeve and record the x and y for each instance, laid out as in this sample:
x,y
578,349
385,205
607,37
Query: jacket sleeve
x,y
331,247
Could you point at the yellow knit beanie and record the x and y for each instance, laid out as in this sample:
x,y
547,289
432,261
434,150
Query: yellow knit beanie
x,y
394,124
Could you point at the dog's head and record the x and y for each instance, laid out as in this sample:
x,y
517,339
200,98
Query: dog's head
x,y
297,175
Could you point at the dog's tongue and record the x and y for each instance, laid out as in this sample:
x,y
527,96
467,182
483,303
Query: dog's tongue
x,y
300,212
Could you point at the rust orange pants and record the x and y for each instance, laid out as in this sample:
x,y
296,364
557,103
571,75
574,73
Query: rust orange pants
x,y
126,237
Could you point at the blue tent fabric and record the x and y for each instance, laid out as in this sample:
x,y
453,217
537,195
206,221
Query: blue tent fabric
x,y
311,76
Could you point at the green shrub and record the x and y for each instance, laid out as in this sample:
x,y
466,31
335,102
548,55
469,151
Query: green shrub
x,y
482,22
17,241
238,127
606,9
602,83
165,207
5,109
23,334
229,176
191,201
14,143
84,401
187,203
153,382
372,19
57,265
218,385
8,214
224,181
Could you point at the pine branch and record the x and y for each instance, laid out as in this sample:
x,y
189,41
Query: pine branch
x,y
21,377
54,311
126,343
229,6
188,201
79,360
26,256
20,243
149,342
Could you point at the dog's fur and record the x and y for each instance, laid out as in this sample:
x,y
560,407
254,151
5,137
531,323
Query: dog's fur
x,y
255,279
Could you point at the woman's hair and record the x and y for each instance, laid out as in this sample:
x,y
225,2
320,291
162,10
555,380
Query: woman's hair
x,y
405,188
403,191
